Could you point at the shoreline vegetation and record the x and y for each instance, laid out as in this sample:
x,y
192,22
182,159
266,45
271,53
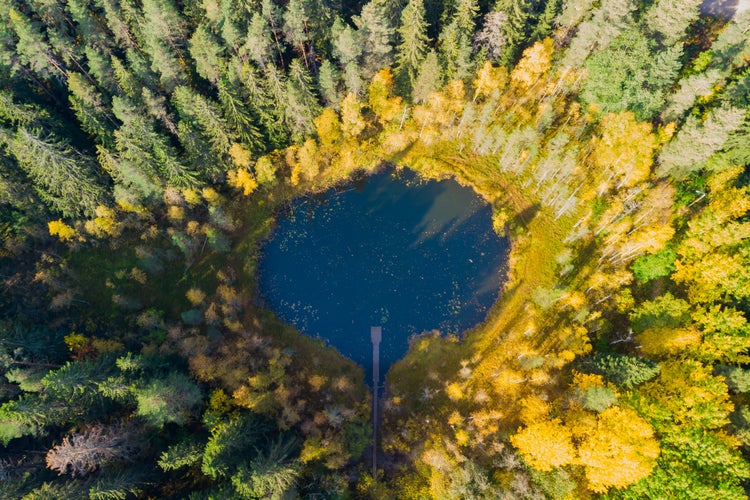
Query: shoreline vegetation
x,y
147,144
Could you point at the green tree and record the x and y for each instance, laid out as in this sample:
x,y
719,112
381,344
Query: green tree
x,y
207,54
62,176
630,75
669,20
455,41
697,140
32,48
301,106
171,399
329,83
376,33
91,111
664,311
164,34
623,370
428,78
413,44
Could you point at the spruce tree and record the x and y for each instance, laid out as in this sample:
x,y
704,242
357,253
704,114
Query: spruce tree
x,y
413,44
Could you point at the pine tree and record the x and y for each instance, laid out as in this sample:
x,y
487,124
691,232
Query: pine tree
x,y
428,78
413,44
238,117
171,399
259,44
63,177
85,100
455,41
295,27
696,142
32,48
164,33
301,106
329,83
207,54
376,33
669,20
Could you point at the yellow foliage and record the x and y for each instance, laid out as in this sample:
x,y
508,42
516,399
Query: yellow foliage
x,y
455,418
668,341
220,402
533,409
195,296
380,96
462,437
317,382
76,341
307,159
192,197
352,122
244,180
536,61
211,195
175,213
138,275
456,93
585,381
240,155
61,230
107,345
620,450
489,80
454,391
104,223
328,127
626,148
132,208
312,449
545,445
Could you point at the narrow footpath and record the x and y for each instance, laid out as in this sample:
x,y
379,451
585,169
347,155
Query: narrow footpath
x,y
376,334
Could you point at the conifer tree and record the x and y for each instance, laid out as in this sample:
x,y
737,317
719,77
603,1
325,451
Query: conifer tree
x,y
376,33
413,44
63,177
329,83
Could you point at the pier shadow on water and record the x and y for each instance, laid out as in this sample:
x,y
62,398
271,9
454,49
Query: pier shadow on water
x,y
390,250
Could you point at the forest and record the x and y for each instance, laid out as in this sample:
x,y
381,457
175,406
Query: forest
x,y
148,145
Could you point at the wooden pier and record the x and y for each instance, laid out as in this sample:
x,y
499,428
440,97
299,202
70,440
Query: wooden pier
x,y
376,334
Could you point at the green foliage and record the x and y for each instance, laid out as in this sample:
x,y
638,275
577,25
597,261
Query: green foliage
x,y
630,75
655,265
269,475
737,378
597,399
232,443
412,47
623,370
168,400
186,453
557,483
664,311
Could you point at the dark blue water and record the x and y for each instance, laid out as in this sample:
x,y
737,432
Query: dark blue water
x,y
389,250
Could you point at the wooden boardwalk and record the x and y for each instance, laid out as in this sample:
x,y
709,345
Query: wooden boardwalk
x,y
376,335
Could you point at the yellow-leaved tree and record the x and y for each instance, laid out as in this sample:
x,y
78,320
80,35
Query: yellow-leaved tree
x,y
625,150
545,444
61,230
380,97
619,450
